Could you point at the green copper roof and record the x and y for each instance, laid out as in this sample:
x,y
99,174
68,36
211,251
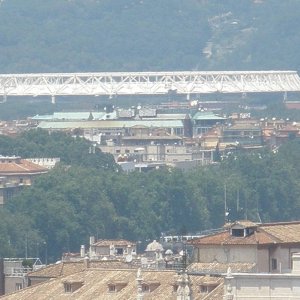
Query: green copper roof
x,y
206,115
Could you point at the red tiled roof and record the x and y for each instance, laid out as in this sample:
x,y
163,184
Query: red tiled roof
x,y
225,238
21,167
113,242
279,233
217,267
96,283
286,232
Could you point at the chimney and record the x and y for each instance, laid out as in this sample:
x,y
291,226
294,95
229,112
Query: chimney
x,y
296,263
82,251
92,240
86,262
92,249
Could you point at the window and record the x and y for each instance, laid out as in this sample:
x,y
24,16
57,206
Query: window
x,y
203,289
68,287
115,287
274,264
249,231
18,286
71,287
127,151
118,151
119,251
146,288
237,232
112,288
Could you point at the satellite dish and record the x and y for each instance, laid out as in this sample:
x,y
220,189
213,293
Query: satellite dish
x,y
128,258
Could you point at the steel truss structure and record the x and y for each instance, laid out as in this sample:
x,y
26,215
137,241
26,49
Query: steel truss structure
x,y
148,83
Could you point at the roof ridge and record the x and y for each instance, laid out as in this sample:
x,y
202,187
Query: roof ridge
x,y
278,223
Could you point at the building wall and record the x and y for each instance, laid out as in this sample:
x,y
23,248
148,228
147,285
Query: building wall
x,y
262,260
168,153
283,255
265,286
227,254
14,283
33,281
19,179
45,162
248,253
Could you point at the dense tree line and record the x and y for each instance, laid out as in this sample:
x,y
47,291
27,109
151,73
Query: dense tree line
x,y
86,194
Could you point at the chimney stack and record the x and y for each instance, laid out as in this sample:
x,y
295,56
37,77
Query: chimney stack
x,y
82,251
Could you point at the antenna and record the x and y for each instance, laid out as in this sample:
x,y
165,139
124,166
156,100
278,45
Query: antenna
x,y
238,200
246,208
226,213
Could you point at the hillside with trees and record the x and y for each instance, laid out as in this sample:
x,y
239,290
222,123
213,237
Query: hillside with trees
x,y
86,194
141,35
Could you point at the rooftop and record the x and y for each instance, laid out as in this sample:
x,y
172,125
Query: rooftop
x,y
71,267
206,115
95,284
109,124
16,165
113,242
264,234
217,267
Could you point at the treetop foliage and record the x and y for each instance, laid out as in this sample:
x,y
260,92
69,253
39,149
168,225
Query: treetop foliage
x,y
93,197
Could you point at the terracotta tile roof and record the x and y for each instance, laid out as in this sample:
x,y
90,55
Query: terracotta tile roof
x,y
113,242
264,234
224,238
216,294
96,282
56,270
71,267
288,232
110,264
219,268
21,167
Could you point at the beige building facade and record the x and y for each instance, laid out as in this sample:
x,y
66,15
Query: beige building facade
x,y
266,286
268,246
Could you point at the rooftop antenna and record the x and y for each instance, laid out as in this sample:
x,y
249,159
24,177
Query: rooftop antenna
x,y
238,200
246,208
226,213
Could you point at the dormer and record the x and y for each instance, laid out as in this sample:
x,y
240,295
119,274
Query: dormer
x,y
207,287
72,286
150,286
242,228
175,287
116,286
